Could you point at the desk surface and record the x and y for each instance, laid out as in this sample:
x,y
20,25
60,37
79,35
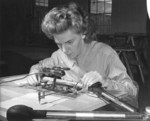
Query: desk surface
x,y
12,94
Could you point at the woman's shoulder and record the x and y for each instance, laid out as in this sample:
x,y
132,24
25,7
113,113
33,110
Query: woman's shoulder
x,y
103,48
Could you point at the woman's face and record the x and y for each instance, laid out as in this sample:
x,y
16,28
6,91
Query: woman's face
x,y
70,43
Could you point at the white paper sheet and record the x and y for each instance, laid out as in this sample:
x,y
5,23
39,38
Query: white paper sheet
x,y
31,100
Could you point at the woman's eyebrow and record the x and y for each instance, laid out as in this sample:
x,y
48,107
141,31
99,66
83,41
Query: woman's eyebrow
x,y
69,40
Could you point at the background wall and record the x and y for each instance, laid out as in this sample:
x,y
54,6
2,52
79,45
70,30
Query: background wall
x,y
16,20
21,20
22,42
129,16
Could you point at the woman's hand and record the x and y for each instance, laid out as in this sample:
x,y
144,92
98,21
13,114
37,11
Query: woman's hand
x,y
90,78
33,78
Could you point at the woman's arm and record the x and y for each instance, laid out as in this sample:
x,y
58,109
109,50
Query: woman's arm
x,y
117,77
36,69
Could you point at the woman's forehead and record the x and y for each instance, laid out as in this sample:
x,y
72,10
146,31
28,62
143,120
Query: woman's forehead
x,y
66,36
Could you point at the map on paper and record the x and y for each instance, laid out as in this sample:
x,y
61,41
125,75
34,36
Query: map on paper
x,y
31,100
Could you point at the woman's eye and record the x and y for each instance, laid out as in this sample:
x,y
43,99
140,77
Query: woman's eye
x,y
69,42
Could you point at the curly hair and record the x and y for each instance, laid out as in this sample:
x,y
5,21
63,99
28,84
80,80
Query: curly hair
x,y
62,18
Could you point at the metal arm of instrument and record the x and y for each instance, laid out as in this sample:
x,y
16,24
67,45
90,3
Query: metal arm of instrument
x,y
97,89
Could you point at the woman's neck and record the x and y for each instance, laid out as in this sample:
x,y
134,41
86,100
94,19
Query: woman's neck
x,y
85,49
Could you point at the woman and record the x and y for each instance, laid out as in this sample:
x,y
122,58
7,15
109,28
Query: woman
x,y
89,61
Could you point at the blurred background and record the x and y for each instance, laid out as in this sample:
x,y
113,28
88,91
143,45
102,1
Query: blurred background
x,y
123,24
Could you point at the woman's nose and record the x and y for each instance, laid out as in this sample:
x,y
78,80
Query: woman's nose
x,y
65,49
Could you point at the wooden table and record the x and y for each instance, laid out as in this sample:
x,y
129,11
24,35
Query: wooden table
x,y
12,94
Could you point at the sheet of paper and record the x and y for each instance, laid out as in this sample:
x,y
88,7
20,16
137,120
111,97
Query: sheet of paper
x,y
31,100
84,102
